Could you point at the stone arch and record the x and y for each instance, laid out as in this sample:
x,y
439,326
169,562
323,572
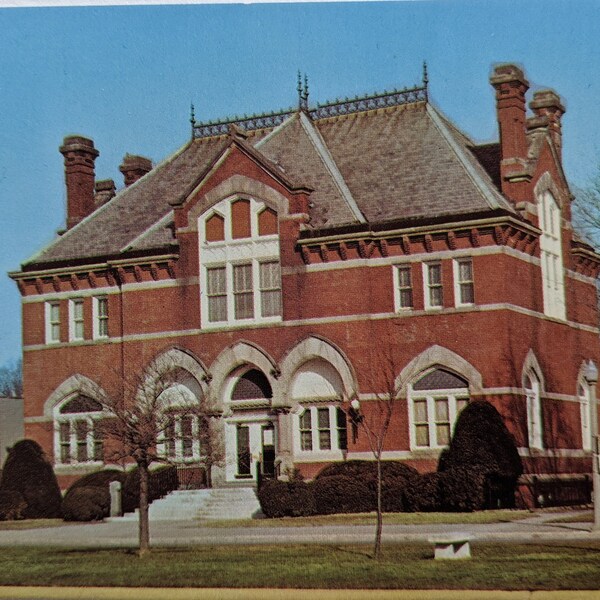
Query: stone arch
x,y
76,384
547,184
317,348
239,186
531,364
438,356
236,359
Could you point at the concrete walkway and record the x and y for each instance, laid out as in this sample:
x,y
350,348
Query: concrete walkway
x,y
117,533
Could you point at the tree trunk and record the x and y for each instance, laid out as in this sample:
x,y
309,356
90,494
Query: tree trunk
x,y
144,524
378,530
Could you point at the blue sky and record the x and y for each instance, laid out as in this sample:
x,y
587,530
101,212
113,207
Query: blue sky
x,y
125,76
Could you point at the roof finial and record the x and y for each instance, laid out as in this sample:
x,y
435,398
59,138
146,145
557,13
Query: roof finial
x,y
299,89
306,91
425,77
192,118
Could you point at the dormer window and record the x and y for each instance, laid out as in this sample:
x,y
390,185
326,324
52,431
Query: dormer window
x,y
239,264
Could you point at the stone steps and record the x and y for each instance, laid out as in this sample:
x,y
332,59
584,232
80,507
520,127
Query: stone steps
x,y
209,504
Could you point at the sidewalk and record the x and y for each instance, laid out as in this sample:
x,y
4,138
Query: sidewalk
x,y
124,534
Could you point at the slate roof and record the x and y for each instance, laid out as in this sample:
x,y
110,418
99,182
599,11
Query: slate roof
x,y
389,164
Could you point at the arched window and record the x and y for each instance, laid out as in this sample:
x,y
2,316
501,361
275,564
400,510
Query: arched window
x,y
77,438
252,385
180,429
534,409
319,422
551,257
240,265
435,399
583,393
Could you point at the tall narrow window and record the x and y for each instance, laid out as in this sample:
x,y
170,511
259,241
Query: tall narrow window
x,y
551,256
434,297
306,431
76,319
534,410
100,317
405,290
243,291
342,429
217,294
324,429
270,289
463,277
52,322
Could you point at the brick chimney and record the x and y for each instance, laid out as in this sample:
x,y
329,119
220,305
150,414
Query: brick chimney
x,y
511,87
546,104
134,167
105,190
80,154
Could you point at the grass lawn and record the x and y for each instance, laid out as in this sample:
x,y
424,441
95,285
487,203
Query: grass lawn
x,y
586,517
481,518
33,524
408,566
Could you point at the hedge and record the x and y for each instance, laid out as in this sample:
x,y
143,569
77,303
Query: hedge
x,y
12,505
286,499
28,471
161,481
86,504
423,494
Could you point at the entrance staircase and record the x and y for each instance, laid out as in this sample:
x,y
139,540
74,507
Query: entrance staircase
x,y
209,504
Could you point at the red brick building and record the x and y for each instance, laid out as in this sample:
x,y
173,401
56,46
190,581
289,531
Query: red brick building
x,y
273,260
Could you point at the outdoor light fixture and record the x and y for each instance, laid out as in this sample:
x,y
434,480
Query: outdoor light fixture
x,y
355,417
591,377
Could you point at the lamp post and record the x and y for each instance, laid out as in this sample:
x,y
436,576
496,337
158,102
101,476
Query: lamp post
x,y
591,377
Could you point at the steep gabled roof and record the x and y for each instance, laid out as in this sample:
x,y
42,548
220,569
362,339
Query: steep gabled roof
x,y
379,161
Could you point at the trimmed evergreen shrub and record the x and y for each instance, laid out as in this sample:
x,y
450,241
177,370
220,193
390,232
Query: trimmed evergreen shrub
x,y
367,469
463,489
12,505
86,504
98,479
28,471
481,440
342,494
286,499
423,493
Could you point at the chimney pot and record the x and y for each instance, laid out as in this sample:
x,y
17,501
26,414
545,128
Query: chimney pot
x,y
134,167
547,104
105,190
79,154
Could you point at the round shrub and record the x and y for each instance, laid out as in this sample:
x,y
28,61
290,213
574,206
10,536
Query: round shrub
x,y
286,499
423,494
12,505
342,494
28,471
86,504
481,440
98,479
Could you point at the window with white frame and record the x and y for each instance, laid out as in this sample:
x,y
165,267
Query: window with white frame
x,y
434,294
240,266
78,438
551,256
52,322
76,322
583,393
534,410
435,401
179,431
404,287
322,428
100,316
464,290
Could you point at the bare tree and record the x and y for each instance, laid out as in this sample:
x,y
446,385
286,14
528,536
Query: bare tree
x,y
11,379
138,421
375,422
586,211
